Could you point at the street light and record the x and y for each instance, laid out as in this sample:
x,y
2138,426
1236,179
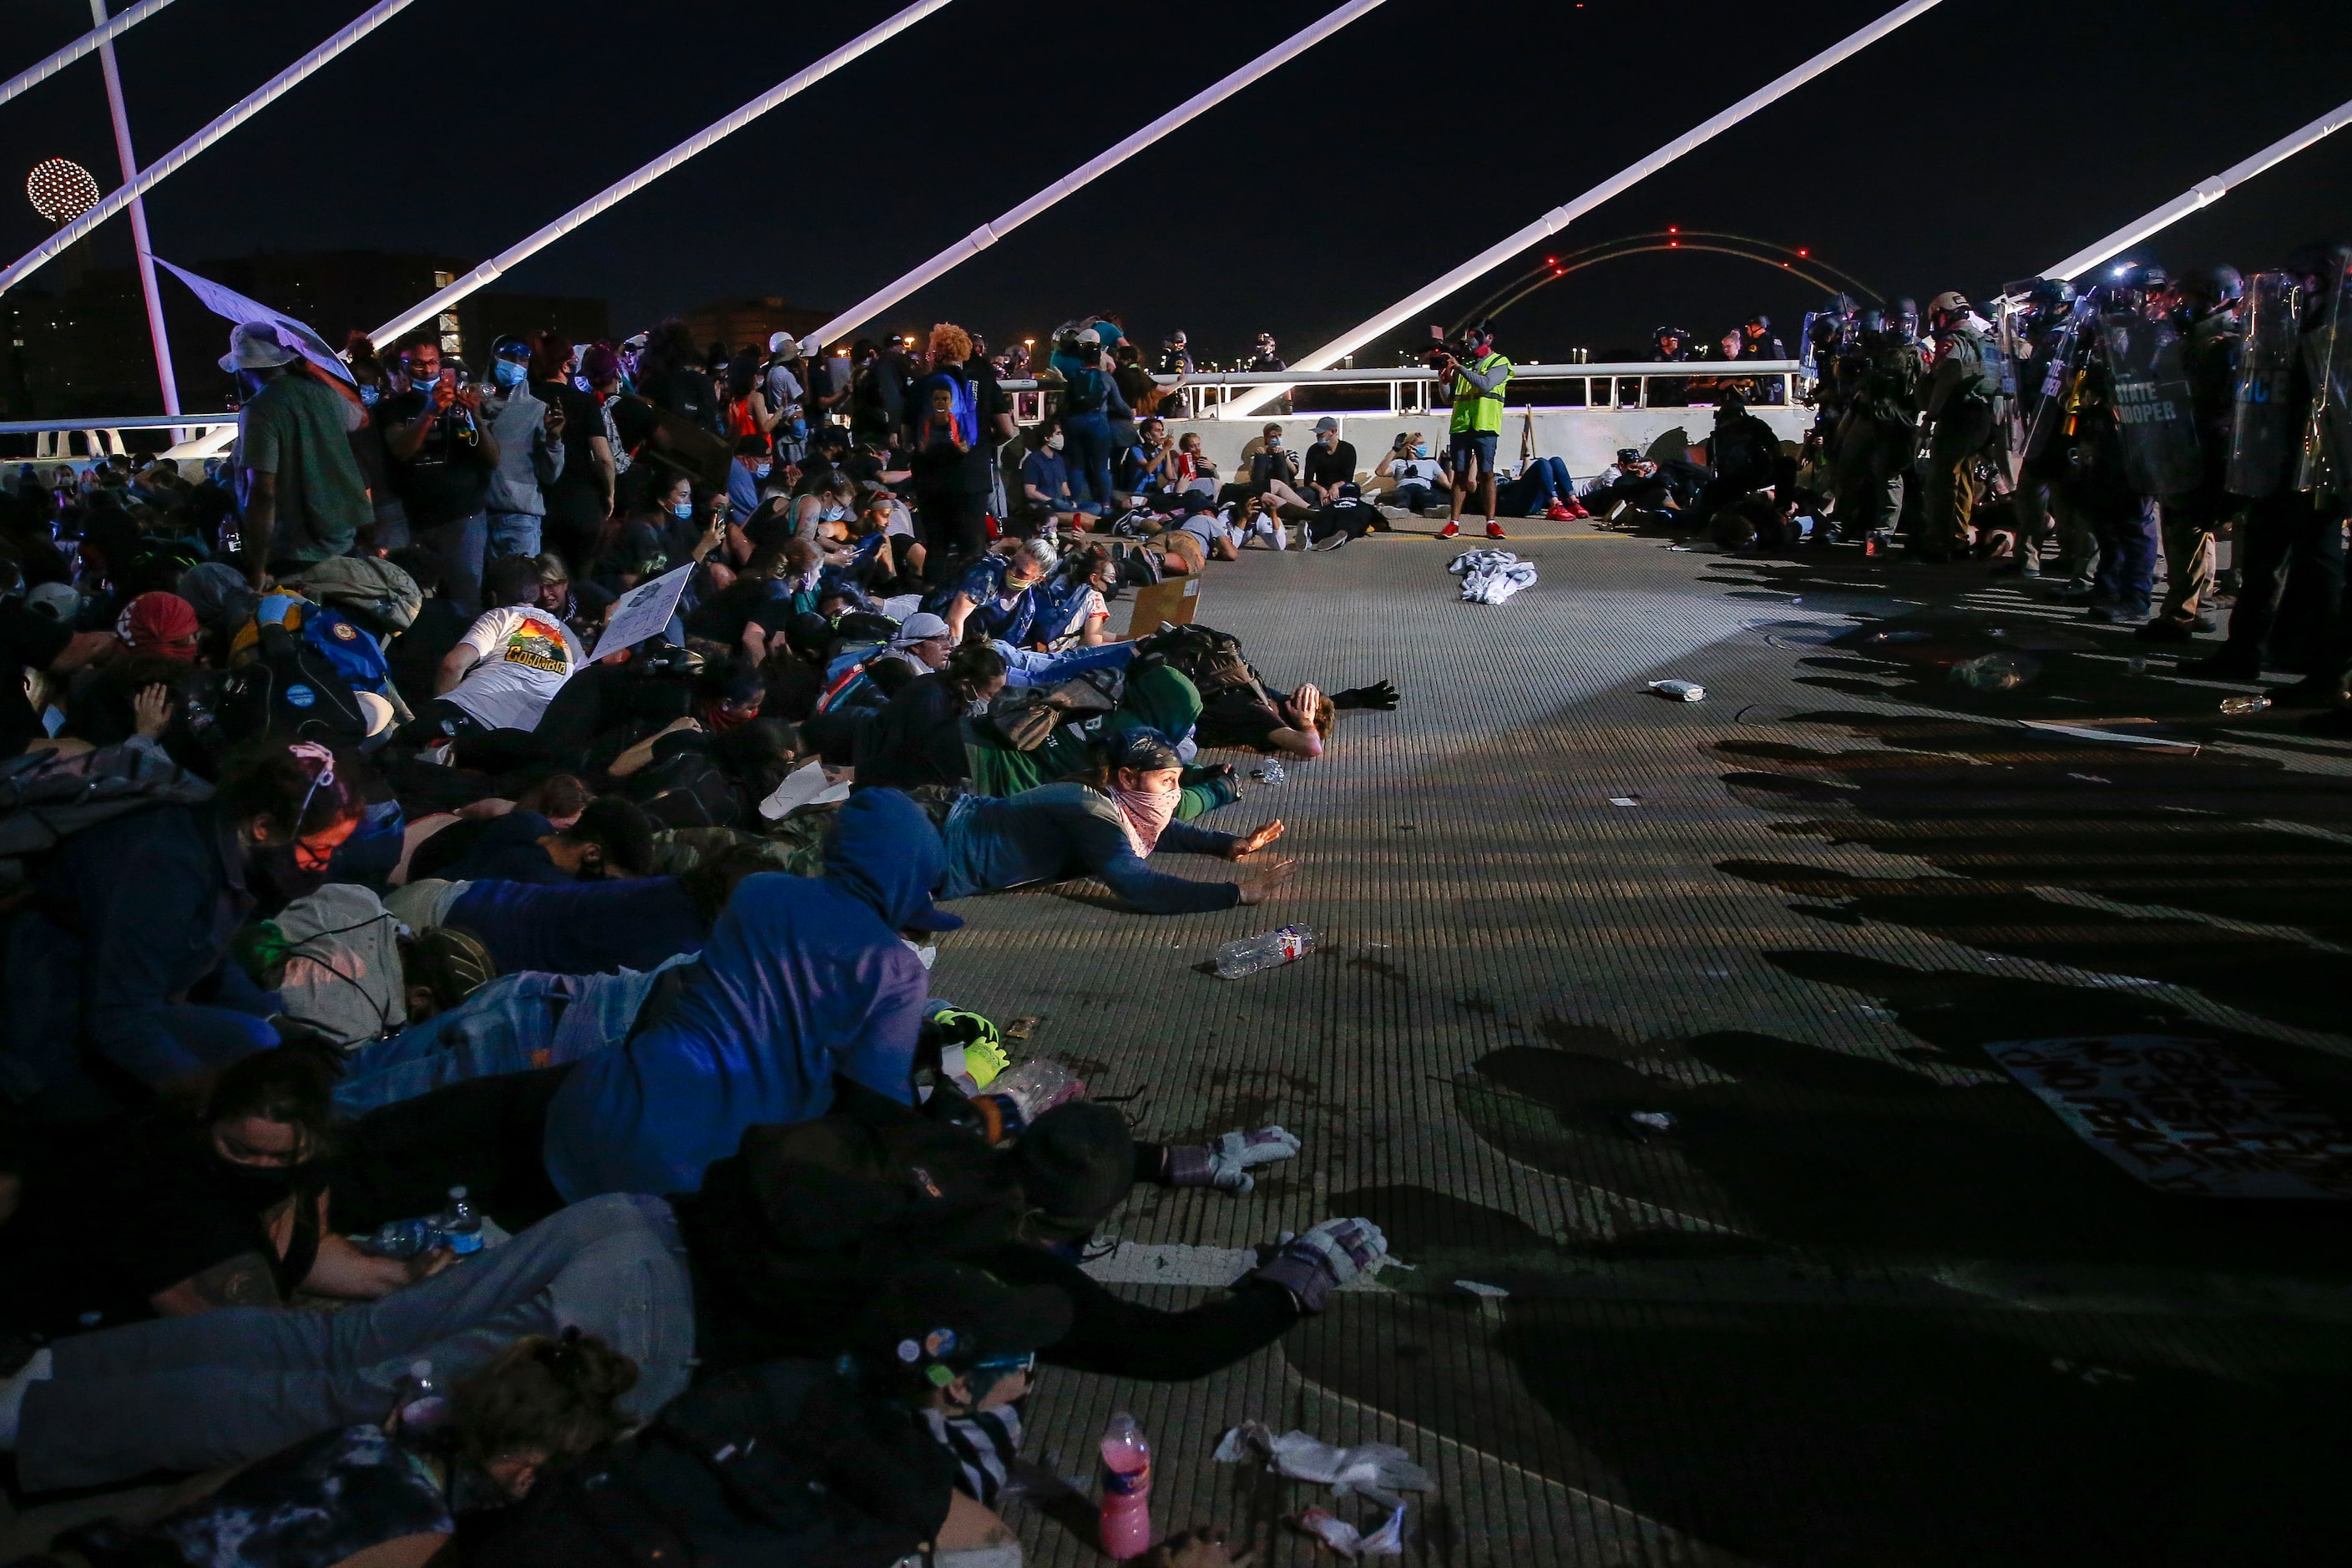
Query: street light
x,y
61,189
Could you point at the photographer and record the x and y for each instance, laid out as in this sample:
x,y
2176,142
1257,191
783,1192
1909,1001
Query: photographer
x,y
1410,474
442,453
1477,378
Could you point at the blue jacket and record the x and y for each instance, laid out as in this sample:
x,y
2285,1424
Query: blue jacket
x,y
579,928
802,978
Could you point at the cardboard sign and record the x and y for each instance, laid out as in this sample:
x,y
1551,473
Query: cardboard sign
x,y
1175,602
643,611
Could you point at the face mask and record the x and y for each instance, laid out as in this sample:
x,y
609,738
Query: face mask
x,y
799,429
762,471
1422,450
370,395
509,373
682,511
1054,442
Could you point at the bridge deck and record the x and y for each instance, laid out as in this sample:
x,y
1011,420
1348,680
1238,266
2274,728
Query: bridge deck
x,y
1871,1301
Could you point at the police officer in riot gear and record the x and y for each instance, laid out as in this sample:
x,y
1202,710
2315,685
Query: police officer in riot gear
x,y
2207,309
2114,468
1962,385
2046,335
1874,438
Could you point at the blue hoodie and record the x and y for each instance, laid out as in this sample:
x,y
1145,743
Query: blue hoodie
x,y
804,978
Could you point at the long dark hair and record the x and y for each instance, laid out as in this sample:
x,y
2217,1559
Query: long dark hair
x,y
297,787
971,666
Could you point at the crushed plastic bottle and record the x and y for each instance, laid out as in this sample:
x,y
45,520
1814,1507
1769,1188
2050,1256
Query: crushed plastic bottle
x,y
2237,707
1680,690
1271,950
1989,672
1036,1086
1269,772
1127,1489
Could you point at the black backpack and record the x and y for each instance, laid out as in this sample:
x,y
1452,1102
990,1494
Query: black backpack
x,y
290,689
785,1462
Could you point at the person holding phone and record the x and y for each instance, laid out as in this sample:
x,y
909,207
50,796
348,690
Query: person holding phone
x,y
442,453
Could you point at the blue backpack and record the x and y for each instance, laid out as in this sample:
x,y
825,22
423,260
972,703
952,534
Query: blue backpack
x,y
356,656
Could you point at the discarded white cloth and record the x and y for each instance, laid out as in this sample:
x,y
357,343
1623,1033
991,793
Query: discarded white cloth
x,y
1345,1540
1377,1470
1491,576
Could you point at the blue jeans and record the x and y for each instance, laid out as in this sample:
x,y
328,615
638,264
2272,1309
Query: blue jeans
x,y
1086,438
1025,667
514,533
228,1386
460,545
2127,548
513,1024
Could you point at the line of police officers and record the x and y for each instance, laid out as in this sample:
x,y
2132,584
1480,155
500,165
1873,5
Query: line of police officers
x,y
2141,412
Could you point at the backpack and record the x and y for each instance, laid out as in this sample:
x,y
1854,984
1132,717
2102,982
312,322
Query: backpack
x,y
1353,518
342,643
1027,716
376,594
46,798
1085,392
296,692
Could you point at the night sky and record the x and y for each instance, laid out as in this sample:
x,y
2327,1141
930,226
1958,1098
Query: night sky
x,y
1982,142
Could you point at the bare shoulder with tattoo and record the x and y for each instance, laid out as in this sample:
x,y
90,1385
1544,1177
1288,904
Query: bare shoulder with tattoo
x,y
242,1280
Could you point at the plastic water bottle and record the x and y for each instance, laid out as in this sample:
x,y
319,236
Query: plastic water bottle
x,y
402,1238
1269,772
423,1405
460,1226
1248,954
1127,1489
2238,706
1036,1086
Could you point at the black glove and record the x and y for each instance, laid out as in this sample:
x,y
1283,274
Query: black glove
x,y
1205,773
1382,695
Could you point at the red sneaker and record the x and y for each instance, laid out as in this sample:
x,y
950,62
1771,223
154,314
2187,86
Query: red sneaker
x,y
1495,531
1451,531
1559,513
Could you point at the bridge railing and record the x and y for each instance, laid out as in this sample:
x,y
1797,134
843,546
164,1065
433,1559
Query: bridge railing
x,y
1408,389
87,440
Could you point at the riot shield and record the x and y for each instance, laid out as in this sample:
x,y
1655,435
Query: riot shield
x,y
2266,424
2328,352
2150,385
2056,365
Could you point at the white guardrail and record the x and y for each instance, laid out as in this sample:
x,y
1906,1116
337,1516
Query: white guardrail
x,y
1626,387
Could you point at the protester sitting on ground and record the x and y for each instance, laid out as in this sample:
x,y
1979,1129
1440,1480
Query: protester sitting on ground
x,y
168,1213
228,1388
1408,476
507,667
1272,469
133,916
1631,482
861,1459
1191,471
1104,829
388,1494
1330,467
1045,485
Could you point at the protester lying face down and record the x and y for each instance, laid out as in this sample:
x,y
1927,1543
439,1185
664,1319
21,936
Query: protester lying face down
x,y
804,978
918,739
855,1467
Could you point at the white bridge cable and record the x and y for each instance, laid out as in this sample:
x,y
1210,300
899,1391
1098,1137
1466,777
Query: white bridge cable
x,y
621,190
989,233
2203,194
1560,218
163,168
33,75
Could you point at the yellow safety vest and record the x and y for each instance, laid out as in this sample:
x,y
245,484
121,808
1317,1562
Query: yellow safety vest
x,y
1475,410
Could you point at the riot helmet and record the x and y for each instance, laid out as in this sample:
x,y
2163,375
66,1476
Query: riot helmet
x,y
2211,291
1903,317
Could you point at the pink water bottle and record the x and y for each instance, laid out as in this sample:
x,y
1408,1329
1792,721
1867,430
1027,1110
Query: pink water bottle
x,y
1127,1489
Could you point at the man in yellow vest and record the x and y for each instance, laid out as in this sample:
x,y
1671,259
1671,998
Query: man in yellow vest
x,y
1477,386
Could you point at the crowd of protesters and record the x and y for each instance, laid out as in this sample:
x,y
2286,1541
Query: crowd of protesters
x,y
463,1071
